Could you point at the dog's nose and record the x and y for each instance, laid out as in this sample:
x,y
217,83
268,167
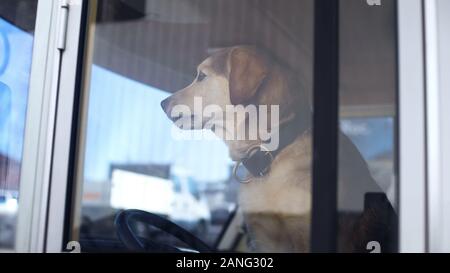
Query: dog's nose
x,y
164,104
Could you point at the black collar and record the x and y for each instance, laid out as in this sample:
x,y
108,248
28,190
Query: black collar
x,y
259,159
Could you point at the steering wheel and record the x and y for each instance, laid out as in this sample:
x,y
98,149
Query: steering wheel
x,y
125,220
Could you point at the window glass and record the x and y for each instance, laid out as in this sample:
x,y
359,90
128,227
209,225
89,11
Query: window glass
x,y
142,58
367,189
17,21
198,115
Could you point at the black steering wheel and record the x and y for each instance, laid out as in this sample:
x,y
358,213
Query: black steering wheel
x,y
126,219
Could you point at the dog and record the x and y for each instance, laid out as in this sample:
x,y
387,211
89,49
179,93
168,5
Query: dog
x,y
275,201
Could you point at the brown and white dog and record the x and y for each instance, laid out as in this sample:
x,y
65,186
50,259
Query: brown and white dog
x,y
277,204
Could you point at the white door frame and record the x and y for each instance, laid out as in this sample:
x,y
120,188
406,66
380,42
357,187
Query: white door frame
x,y
63,137
45,99
411,127
437,32
38,132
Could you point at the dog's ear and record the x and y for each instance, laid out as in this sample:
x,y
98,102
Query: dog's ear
x,y
247,72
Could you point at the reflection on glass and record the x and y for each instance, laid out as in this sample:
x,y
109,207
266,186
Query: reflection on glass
x,y
143,57
368,118
17,20
142,53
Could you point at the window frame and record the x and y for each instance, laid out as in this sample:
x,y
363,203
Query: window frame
x,y
325,126
38,134
438,128
43,178
61,182
411,139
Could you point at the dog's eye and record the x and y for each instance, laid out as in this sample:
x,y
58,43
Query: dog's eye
x,y
201,76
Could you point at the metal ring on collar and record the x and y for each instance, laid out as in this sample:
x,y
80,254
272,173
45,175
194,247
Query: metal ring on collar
x,y
248,178
244,180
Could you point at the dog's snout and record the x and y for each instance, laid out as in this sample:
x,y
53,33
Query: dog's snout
x,y
164,104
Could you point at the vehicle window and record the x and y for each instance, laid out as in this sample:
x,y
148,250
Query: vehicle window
x,y
133,153
17,21
199,113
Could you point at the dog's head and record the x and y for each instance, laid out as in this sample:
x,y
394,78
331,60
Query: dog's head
x,y
232,76
238,76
